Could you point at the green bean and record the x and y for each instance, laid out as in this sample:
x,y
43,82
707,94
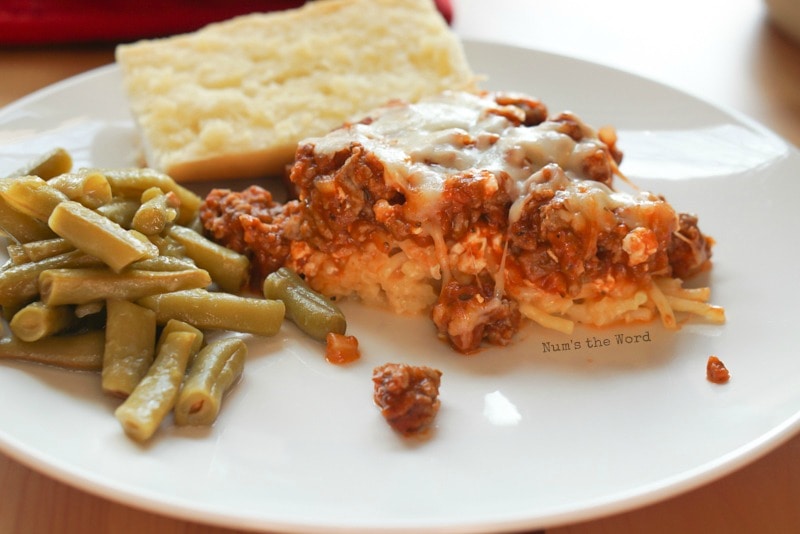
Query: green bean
x,y
120,210
99,236
48,165
16,255
132,182
164,263
129,348
149,403
39,250
20,227
156,211
310,311
228,269
211,374
79,286
174,325
36,321
89,309
19,284
168,246
207,310
32,196
82,352
86,186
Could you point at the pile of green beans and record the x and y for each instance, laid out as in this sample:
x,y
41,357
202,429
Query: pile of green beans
x,y
108,273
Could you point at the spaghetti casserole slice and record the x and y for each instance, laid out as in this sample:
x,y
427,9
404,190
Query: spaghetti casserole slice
x,y
479,209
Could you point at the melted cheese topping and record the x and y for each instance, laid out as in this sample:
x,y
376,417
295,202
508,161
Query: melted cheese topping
x,y
421,145
585,201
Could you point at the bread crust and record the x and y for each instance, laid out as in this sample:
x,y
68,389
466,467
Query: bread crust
x,y
271,161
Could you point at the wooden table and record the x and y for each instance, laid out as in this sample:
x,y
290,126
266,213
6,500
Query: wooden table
x,y
723,51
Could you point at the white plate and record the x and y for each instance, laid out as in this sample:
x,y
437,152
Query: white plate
x,y
525,438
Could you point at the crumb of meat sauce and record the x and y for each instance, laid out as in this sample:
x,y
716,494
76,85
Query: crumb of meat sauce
x,y
716,371
407,395
341,349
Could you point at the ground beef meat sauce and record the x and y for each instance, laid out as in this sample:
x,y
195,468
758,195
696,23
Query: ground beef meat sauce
x,y
407,395
457,308
252,223
690,250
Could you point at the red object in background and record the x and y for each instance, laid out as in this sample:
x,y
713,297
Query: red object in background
x,y
42,22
